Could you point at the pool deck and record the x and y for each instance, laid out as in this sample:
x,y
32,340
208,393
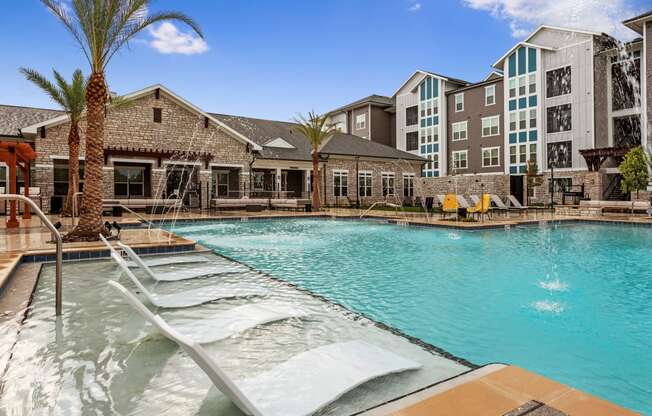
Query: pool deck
x,y
490,390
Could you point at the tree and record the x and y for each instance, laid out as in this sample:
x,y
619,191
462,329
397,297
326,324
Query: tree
x,y
317,131
71,97
102,28
634,171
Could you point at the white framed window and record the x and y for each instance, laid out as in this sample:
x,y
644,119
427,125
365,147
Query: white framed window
x,y
361,121
340,183
408,184
512,88
533,118
460,130
490,157
521,85
490,126
490,95
388,183
364,183
459,102
532,83
512,121
460,159
522,120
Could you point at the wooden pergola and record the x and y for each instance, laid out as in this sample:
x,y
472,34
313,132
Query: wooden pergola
x,y
17,155
596,157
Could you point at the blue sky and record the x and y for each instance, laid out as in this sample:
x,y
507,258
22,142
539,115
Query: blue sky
x,y
272,59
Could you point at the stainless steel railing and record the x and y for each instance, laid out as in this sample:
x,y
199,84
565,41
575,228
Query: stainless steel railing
x,y
57,238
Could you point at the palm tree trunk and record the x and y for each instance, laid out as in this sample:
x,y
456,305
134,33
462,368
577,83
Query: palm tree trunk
x,y
73,168
315,179
90,221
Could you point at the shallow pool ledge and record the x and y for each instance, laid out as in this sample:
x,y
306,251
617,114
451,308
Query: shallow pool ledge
x,y
498,389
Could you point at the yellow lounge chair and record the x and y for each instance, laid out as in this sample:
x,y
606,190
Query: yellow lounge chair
x,y
450,205
482,207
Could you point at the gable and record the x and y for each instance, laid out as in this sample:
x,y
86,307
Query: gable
x,y
557,37
279,143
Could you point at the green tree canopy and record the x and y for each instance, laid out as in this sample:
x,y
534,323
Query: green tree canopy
x,y
634,171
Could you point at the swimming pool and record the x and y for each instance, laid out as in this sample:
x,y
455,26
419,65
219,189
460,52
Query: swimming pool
x,y
572,302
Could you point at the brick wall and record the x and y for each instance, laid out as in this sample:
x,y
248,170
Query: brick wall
x,y
593,186
376,167
465,185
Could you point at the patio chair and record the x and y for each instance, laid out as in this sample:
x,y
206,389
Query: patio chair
x,y
172,260
463,203
227,323
299,386
514,204
499,204
449,206
481,207
173,275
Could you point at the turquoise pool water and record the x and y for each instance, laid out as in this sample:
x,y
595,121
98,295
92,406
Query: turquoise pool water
x,y
572,302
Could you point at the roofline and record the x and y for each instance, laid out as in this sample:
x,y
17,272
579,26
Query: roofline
x,y
363,101
565,29
476,85
33,129
494,72
418,71
522,43
633,22
415,159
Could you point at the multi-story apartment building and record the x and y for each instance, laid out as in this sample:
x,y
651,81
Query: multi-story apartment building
x,y
475,127
421,114
371,118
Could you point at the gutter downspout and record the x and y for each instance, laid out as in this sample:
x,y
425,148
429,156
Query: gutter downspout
x,y
251,171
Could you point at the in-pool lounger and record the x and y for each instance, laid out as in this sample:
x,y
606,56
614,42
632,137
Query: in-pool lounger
x,y
191,297
298,387
170,260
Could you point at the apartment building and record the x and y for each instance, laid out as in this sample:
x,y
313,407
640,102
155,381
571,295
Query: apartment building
x,y
421,114
475,127
371,118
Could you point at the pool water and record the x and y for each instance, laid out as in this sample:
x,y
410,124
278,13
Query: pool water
x,y
572,302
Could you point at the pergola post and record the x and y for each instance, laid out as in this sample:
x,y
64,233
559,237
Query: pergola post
x,y
12,222
26,210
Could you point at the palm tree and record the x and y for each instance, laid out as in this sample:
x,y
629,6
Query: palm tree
x,y
72,98
102,28
317,131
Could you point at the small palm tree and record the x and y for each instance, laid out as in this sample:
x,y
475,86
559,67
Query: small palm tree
x,y
71,97
102,28
317,131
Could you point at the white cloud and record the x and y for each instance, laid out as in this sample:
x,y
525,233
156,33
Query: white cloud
x,y
525,15
168,39
415,7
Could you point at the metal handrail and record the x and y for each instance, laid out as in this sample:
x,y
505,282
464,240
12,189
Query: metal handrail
x,y
57,237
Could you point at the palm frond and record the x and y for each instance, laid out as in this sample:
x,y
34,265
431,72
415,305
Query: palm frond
x,y
44,84
315,128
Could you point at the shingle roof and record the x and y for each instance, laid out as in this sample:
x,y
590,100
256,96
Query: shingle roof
x,y
13,118
264,131
373,99
453,79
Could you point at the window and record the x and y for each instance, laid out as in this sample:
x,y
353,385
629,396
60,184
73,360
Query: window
x,y
3,179
559,118
60,177
521,85
364,183
533,118
533,152
627,131
460,130
388,183
408,185
340,183
459,102
435,106
412,141
460,159
560,155
220,179
490,95
490,126
129,181
522,120
512,155
490,157
412,115
625,83
158,115
512,121
559,184
558,82
339,126
361,122
532,83
512,88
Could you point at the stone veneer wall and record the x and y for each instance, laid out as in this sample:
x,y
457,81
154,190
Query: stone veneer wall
x,y
132,126
465,185
594,183
377,167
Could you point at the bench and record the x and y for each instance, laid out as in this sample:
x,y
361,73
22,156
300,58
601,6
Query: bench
x,y
239,203
290,204
619,206
143,203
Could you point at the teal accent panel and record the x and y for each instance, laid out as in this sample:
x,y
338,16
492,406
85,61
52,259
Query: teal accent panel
x,y
511,65
512,105
435,120
423,149
429,121
423,122
522,103
422,89
429,90
521,60
512,169
429,148
522,136
533,135
533,100
435,148
512,137
531,59
435,173
435,88
521,169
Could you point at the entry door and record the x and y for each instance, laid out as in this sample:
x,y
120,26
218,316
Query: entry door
x,y
516,187
221,178
183,180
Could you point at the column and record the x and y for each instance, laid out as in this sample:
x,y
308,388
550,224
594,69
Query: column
x,y
205,186
278,183
108,182
158,182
